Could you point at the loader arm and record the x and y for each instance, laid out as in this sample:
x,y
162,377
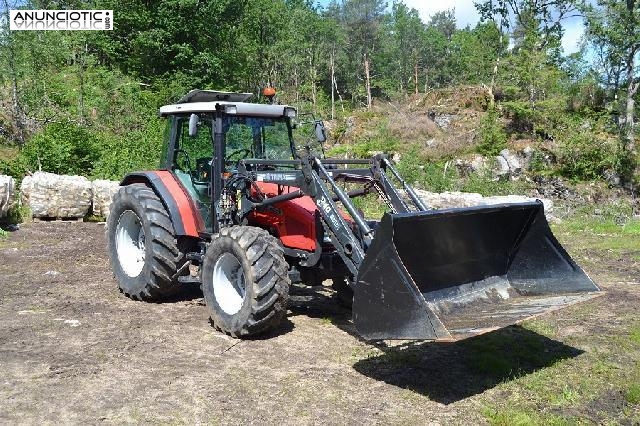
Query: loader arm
x,y
318,182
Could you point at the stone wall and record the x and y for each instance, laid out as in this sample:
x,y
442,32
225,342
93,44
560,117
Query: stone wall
x,y
7,194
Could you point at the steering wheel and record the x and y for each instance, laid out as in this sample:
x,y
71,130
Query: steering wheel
x,y
200,175
243,154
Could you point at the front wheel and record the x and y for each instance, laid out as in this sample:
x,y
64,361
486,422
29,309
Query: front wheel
x,y
142,245
245,281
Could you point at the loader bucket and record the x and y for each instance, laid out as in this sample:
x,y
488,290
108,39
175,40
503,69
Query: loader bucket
x,y
451,274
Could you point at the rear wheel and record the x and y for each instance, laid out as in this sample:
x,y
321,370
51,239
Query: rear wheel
x,y
245,281
142,245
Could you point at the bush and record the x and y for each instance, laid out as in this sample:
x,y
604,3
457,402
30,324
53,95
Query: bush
x,y
137,150
62,148
493,138
584,155
485,185
19,213
426,174
379,139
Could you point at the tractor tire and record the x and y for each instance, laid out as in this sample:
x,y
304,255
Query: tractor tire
x,y
344,293
245,281
143,249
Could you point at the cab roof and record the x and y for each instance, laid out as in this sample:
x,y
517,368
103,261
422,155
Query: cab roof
x,y
210,100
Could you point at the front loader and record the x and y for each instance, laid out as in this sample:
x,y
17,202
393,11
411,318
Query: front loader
x,y
243,207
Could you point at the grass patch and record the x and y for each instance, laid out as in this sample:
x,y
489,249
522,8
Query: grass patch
x,y
603,234
634,334
566,397
371,205
518,417
633,394
541,327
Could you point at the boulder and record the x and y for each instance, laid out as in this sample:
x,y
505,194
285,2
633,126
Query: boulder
x,y
49,195
7,194
443,120
501,169
526,156
103,192
515,168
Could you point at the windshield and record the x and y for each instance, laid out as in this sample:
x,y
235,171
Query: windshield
x,y
252,137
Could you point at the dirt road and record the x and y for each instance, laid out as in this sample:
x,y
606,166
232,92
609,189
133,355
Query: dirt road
x,y
73,349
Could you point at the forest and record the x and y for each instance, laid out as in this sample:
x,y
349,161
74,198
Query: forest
x,y
86,102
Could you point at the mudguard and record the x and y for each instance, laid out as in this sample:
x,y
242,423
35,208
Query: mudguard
x,y
184,215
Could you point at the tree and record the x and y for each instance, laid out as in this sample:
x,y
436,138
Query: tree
x,y
363,19
613,28
402,49
535,29
445,22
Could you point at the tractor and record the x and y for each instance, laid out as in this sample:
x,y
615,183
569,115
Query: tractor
x,y
245,203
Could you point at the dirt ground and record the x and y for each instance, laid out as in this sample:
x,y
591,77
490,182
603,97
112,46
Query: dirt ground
x,y
73,349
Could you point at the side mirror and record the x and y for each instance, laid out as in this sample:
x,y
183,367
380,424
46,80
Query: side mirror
x,y
321,133
193,125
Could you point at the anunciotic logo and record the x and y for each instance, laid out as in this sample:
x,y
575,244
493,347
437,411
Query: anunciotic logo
x,y
65,20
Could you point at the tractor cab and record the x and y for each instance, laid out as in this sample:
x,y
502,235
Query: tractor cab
x,y
206,126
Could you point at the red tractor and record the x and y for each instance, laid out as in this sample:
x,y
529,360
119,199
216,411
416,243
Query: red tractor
x,y
243,208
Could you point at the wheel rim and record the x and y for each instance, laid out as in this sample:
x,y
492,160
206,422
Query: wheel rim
x,y
130,243
229,286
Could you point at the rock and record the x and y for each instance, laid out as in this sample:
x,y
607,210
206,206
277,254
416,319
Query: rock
x,y
396,158
526,156
479,163
446,200
349,125
443,120
50,195
7,194
554,187
430,143
612,177
501,170
464,167
515,168
103,192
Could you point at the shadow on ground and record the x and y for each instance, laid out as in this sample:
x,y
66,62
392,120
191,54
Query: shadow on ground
x,y
450,372
444,372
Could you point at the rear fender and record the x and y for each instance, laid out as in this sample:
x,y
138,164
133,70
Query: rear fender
x,y
184,215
